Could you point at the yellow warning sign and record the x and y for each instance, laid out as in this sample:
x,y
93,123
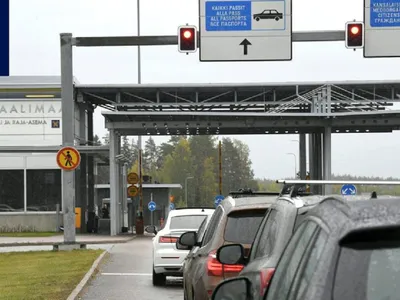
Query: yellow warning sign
x,y
133,178
132,191
68,158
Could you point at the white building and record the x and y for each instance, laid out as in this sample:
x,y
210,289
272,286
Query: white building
x,y
30,184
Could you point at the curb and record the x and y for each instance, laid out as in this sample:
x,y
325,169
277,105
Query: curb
x,y
22,244
78,289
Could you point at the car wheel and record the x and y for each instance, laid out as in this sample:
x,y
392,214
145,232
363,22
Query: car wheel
x,y
276,18
159,279
257,19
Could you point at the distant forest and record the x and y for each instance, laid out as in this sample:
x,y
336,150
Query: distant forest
x,y
194,160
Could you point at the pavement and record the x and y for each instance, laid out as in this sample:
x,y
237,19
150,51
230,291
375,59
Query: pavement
x,y
126,275
91,239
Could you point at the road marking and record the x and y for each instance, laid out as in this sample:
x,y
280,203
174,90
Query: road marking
x,y
126,274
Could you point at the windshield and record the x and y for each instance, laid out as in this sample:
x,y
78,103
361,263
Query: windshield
x,y
242,225
187,222
369,270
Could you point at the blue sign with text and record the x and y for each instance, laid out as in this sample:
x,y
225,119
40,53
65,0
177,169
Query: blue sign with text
x,y
228,15
348,190
385,13
151,206
5,38
218,199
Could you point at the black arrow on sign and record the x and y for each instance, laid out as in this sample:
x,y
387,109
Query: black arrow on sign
x,y
245,43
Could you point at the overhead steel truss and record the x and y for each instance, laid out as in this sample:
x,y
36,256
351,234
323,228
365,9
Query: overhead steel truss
x,y
335,97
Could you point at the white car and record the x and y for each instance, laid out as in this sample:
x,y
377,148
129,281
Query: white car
x,y
167,259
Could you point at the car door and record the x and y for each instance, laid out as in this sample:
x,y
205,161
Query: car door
x,y
290,260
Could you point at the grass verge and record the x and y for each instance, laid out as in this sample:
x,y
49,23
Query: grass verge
x,y
29,234
43,275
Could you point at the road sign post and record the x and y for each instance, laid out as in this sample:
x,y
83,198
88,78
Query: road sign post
x,y
245,30
348,190
382,28
218,199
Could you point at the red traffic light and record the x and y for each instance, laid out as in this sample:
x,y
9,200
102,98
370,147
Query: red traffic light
x,y
187,34
187,39
354,35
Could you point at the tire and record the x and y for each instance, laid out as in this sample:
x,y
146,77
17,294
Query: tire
x,y
276,18
257,19
159,279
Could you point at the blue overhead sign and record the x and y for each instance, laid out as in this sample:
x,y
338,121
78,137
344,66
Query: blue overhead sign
x,y
348,190
151,206
218,199
5,38
385,13
245,15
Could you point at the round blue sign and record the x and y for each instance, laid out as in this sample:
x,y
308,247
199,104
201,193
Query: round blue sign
x,y
348,190
151,206
218,199
171,206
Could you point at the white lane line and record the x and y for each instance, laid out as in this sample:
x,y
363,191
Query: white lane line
x,y
127,274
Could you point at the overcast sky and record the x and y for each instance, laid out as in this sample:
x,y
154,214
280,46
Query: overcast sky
x,y
36,24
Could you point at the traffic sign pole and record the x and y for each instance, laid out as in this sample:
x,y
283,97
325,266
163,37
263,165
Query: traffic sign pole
x,y
152,214
68,136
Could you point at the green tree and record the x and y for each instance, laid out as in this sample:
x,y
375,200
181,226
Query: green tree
x,y
150,156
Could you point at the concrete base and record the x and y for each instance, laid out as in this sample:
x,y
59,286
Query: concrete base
x,y
68,247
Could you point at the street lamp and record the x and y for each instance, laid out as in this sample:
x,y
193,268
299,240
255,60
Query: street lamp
x,y
295,163
186,191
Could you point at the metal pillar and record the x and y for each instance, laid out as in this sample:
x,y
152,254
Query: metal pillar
x,y
119,183
68,133
113,182
90,162
302,156
318,160
327,158
82,183
125,224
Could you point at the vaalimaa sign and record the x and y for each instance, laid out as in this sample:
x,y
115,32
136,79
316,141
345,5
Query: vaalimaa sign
x,y
30,109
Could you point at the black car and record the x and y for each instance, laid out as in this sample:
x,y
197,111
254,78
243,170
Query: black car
x,y
343,250
268,14
272,236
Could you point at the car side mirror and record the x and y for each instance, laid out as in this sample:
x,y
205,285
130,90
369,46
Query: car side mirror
x,y
231,254
151,229
188,239
238,288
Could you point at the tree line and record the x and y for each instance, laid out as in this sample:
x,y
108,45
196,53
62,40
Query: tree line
x,y
192,162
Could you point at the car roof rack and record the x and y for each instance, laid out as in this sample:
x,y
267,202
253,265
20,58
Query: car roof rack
x,y
195,207
249,192
338,182
295,190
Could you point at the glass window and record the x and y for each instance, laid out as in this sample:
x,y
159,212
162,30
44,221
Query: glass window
x,y
187,222
268,236
369,270
43,190
311,263
202,229
290,260
11,190
215,219
242,226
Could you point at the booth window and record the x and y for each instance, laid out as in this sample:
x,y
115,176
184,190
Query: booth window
x,y
11,190
43,190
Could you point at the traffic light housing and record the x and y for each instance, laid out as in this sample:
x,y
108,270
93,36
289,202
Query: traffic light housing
x,y
187,39
354,35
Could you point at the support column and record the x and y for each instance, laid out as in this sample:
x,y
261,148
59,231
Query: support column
x,y
82,183
318,160
68,134
302,156
119,175
90,163
328,158
113,182
311,155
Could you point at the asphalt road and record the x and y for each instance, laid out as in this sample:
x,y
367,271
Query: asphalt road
x,y
127,275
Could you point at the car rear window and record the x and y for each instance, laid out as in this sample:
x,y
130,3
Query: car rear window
x,y
242,226
369,266
187,222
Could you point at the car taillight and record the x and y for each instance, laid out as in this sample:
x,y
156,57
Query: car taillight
x,y
215,268
265,279
168,239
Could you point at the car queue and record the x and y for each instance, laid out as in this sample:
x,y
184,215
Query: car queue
x,y
295,245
